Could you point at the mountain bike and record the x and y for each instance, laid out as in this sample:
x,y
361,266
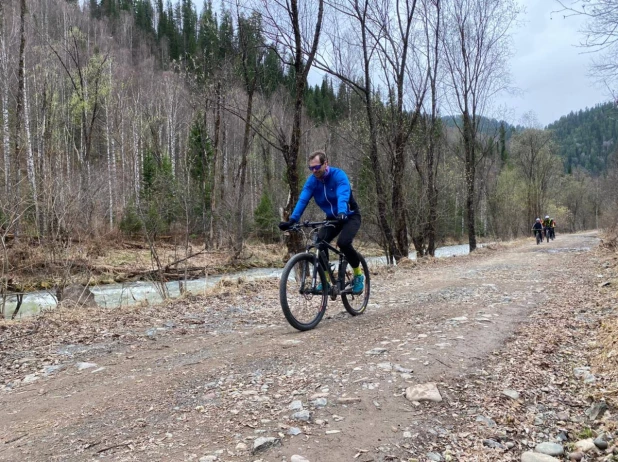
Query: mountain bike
x,y
547,232
304,288
539,235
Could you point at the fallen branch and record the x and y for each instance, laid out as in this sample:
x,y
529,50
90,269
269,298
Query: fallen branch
x,y
17,438
127,443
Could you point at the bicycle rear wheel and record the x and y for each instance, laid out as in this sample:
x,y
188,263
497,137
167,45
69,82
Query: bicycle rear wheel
x,y
302,304
356,304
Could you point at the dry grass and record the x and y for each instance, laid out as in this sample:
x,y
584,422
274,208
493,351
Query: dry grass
x,y
606,359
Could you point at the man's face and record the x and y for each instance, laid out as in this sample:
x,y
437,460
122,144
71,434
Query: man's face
x,y
317,168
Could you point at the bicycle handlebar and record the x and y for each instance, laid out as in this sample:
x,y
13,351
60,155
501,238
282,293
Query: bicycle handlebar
x,y
312,224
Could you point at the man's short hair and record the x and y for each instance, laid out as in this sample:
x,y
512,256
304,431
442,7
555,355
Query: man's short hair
x,y
320,154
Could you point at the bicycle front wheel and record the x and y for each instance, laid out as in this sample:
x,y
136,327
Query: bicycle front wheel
x,y
356,304
302,303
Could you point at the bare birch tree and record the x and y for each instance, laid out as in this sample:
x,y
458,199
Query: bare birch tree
x,y
4,78
405,77
427,157
350,56
251,54
295,27
535,155
477,48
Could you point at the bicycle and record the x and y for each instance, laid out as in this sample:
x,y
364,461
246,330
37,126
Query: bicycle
x,y
304,289
539,235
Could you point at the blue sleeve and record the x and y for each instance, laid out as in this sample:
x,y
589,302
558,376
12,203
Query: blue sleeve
x,y
305,196
343,192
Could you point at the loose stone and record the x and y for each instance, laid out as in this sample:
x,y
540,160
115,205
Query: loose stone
x,y
304,416
585,445
264,442
403,370
600,443
82,366
487,421
492,444
596,411
376,351
551,449
350,400
296,405
511,394
424,392
296,458
537,457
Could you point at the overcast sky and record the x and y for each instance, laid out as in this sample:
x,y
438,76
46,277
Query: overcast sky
x,y
550,70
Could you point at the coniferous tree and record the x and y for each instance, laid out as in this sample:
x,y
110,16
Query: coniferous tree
x,y
189,29
208,40
226,37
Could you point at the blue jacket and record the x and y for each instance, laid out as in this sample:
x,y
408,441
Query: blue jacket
x,y
332,193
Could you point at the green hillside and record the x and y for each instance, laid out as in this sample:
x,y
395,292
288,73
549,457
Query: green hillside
x,y
587,137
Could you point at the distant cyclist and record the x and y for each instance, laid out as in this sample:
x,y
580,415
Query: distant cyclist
x,y
537,227
552,227
547,226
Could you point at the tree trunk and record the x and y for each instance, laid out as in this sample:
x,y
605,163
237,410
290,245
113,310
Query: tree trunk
x,y
215,161
470,173
360,13
242,173
30,155
294,243
110,172
20,99
432,195
400,222
4,76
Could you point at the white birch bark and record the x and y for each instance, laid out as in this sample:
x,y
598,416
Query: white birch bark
x,y
30,159
6,141
136,163
123,166
110,187
111,162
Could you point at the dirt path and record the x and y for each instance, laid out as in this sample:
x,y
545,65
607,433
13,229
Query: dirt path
x,y
207,385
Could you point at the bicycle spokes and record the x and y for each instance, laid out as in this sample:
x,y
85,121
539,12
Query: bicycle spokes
x,y
355,295
302,302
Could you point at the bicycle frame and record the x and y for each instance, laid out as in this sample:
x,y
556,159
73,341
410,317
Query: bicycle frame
x,y
338,284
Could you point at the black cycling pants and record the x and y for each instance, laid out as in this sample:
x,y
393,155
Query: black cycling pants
x,y
346,231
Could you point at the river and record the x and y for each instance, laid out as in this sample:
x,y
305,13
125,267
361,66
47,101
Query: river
x,y
117,295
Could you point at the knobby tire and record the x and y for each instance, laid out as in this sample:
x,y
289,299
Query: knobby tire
x,y
351,301
298,262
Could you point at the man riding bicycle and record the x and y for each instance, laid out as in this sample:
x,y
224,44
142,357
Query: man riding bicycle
x,y
537,227
331,190
547,226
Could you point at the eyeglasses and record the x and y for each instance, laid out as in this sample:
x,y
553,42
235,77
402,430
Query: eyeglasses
x,y
315,168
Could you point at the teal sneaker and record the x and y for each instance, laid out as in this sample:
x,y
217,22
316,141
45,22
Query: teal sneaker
x,y
358,284
319,287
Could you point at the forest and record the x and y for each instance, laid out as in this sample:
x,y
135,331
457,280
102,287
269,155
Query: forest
x,y
159,120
